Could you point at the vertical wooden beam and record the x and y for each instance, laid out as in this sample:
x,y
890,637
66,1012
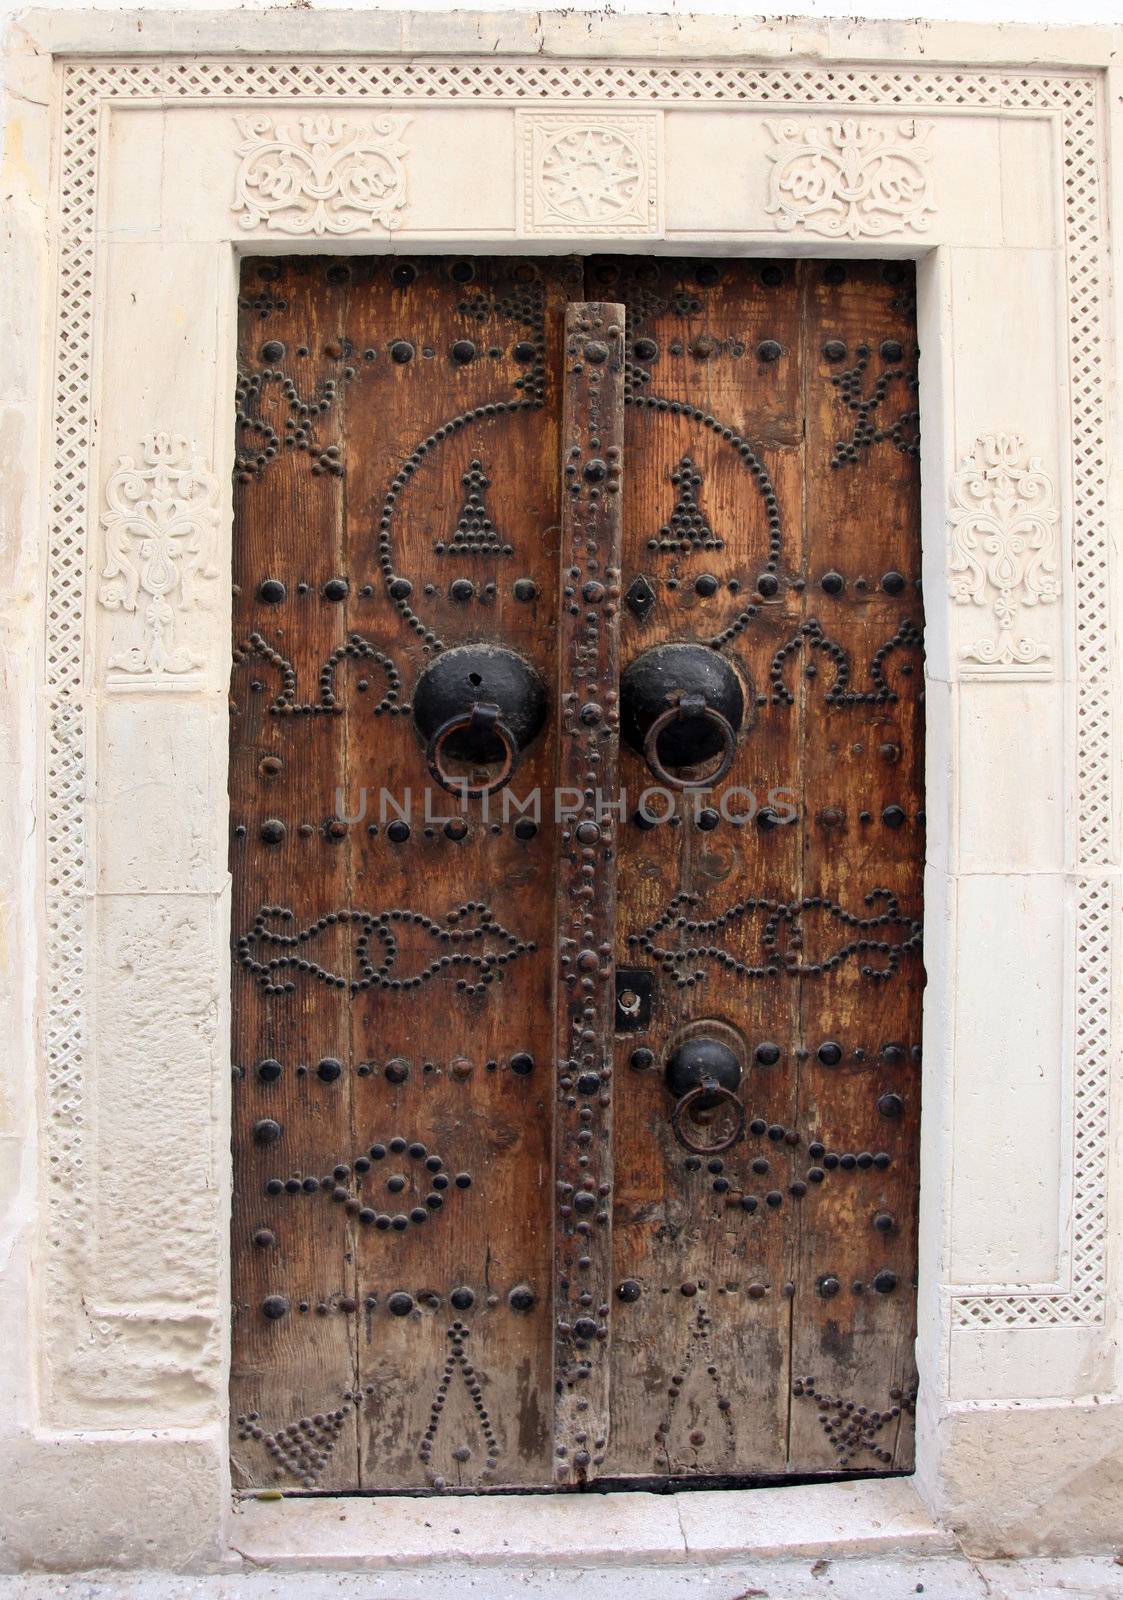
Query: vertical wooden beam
x,y
588,674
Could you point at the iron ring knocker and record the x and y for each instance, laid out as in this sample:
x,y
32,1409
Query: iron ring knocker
x,y
482,718
708,1086
689,705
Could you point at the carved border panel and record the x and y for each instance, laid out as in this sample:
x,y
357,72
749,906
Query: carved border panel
x,y
556,87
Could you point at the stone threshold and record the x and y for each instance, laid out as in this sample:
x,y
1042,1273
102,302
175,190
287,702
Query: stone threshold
x,y
818,1521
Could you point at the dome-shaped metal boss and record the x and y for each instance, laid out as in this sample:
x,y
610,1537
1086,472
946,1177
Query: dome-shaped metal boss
x,y
829,1053
271,590
690,699
463,351
700,1060
266,1131
274,1306
471,676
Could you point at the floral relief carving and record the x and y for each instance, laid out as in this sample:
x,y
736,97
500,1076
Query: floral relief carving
x,y
159,527
849,179
594,174
1003,557
320,173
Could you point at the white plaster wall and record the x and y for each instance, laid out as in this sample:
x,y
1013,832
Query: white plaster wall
x,y
1046,12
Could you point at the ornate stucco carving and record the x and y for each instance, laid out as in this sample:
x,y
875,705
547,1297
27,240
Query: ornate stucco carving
x,y
1003,552
594,174
316,172
850,179
159,533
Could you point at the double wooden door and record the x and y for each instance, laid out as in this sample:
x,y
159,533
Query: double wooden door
x,y
576,842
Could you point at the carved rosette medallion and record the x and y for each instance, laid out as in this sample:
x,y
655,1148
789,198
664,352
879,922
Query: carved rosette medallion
x,y
1003,553
319,173
159,529
849,179
595,174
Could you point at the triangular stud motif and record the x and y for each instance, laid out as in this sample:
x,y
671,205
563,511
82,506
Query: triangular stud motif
x,y
697,1429
475,533
688,527
468,1421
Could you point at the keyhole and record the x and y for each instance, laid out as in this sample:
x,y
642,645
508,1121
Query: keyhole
x,y
474,679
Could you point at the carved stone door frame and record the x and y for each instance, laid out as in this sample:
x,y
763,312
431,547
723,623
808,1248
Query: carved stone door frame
x,y
977,157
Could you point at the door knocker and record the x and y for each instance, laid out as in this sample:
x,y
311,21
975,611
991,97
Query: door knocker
x,y
682,705
481,705
703,1073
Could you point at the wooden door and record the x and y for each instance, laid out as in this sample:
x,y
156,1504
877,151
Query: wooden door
x,y
575,1140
